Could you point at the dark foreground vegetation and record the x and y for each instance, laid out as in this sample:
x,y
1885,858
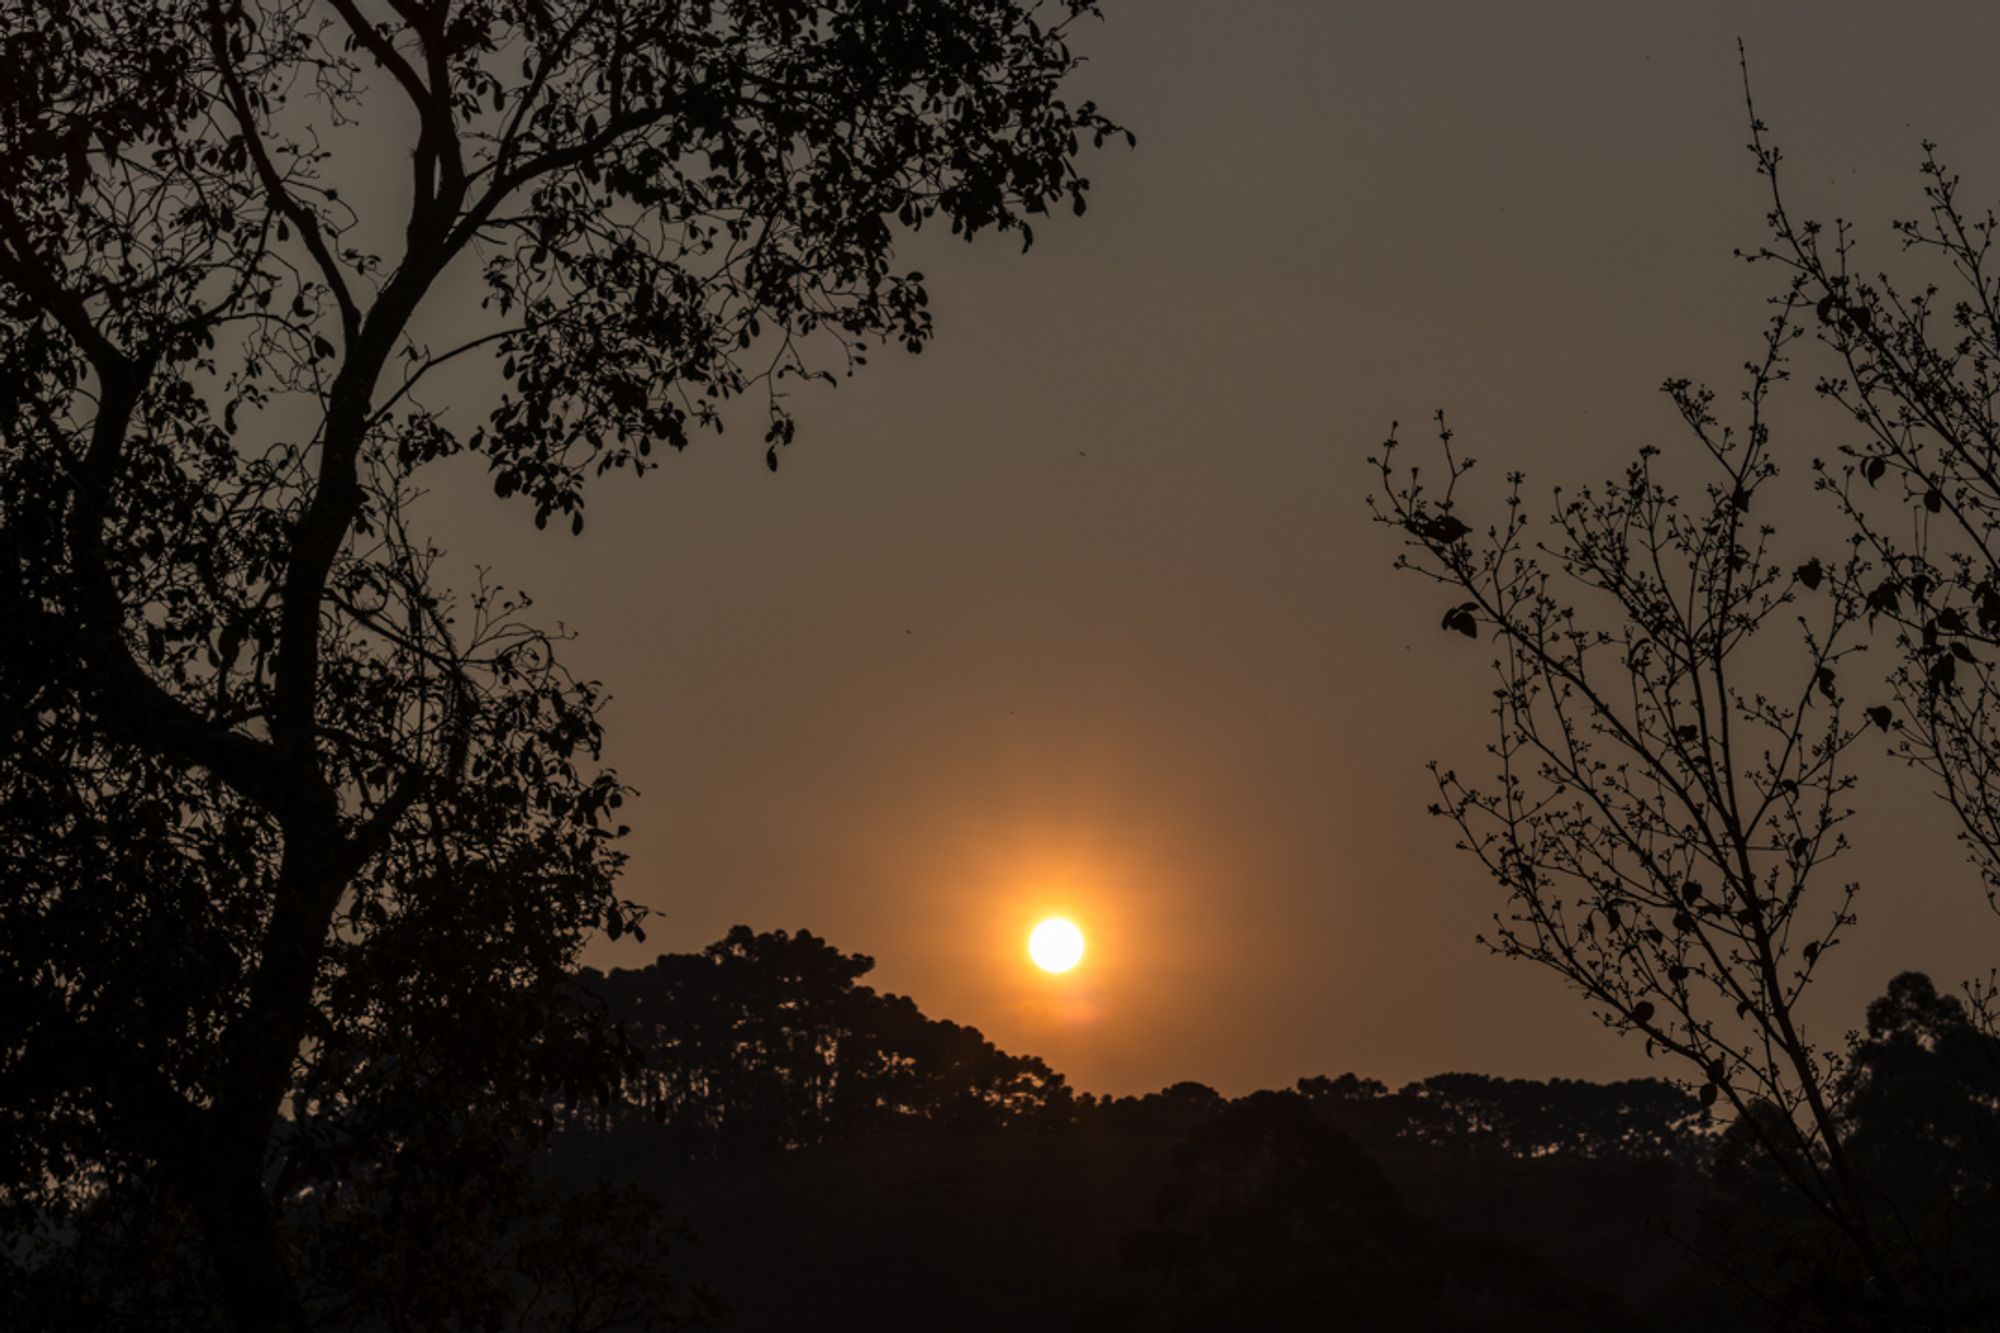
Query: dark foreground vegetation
x,y
299,847
777,1145
298,844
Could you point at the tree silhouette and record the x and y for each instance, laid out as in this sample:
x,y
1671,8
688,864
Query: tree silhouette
x,y
1174,1110
1919,1120
267,790
768,1041
1669,784
1635,1119
1921,1096
1915,366
1664,800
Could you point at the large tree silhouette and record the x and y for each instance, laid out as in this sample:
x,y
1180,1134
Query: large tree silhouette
x,y
267,791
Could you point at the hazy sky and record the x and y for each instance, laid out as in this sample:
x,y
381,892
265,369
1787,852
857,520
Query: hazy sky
x,y
1081,609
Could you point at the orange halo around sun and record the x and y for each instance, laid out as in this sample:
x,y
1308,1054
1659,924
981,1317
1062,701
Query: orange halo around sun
x,y
1055,944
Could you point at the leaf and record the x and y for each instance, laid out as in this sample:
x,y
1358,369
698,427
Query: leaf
x,y
1880,716
1709,1092
1933,500
1824,679
321,347
1872,470
771,458
1438,529
1642,1012
1810,574
1460,618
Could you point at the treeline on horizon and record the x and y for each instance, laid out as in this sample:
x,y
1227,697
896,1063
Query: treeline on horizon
x,y
418,1189
1462,1200
770,1041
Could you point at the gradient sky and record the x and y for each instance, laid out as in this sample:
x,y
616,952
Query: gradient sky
x,y
1081,610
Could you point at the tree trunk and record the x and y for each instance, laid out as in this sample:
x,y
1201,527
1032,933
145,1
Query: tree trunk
x,y
241,1233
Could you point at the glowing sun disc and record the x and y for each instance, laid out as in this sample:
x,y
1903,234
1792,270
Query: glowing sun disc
x,y
1056,945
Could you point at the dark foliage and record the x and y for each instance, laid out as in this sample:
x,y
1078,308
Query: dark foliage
x,y
767,1042
1639,1119
1921,1109
1545,1204
481,1240
1174,1110
1635,1119
1272,1220
282,818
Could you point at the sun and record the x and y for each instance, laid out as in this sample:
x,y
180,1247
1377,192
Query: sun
x,y
1056,945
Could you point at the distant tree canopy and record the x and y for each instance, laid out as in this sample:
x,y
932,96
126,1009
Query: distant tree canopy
x,y
1271,1219
272,799
1280,1209
1174,1110
1638,1119
769,1041
1278,1212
